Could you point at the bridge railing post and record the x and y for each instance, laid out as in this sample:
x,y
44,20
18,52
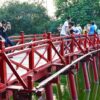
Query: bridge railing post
x,y
31,58
30,86
22,37
44,35
97,36
31,64
85,41
62,47
49,54
48,87
3,71
98,63
93,40
72,43
34,37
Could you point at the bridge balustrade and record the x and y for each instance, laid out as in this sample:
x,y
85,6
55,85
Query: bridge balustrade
x,y
42,61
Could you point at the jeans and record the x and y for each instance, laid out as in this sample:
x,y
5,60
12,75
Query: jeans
x,y
8,42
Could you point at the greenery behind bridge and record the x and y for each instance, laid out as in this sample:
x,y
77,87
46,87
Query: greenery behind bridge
x,y
33,18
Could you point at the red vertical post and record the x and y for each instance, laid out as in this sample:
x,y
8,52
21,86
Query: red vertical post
x,y
94,42
44,36
86,77
31,58
72,86
62,48
30,83
49,91
99,61
49,48
72,44
97,41
85,41
80,41
22,37
95,72
72,82
48,87
3,71
71,75
34,38
31,65
77,64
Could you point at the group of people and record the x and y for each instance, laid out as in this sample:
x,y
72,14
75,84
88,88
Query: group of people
x,y
4,29
69,28
66,29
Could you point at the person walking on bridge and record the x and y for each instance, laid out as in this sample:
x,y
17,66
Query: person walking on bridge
x,y
64,30
92,29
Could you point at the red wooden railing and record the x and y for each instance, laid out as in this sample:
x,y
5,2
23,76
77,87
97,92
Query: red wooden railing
x,y
43,61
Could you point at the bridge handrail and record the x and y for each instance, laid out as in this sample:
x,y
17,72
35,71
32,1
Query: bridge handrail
x,y
66,68
52,39
49,42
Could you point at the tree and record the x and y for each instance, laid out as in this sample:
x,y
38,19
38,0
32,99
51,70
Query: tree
x,y
82,11
31,18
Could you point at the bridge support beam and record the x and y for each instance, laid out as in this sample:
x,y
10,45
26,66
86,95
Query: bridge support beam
x,y
86,77
71,80
49,91
95,72
72,86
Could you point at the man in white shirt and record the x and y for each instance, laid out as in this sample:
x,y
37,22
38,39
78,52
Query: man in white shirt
x,y
65,27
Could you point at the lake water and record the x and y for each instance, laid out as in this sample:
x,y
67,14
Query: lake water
x,y
93,94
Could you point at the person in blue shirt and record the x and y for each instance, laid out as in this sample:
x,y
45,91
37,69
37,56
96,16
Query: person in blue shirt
x,y
92,29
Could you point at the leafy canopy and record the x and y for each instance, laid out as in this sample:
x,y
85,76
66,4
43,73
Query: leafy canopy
x,y
31,18
82,11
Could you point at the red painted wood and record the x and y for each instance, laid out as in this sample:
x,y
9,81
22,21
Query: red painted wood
x,y
67,45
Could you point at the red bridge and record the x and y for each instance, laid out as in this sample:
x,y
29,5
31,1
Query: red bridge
x,y
37,61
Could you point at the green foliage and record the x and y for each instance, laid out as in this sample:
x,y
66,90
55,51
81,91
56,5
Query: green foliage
x,y
82,11
53,25
30,18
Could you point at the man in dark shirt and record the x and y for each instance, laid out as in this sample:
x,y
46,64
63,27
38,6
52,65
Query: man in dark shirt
x,y
3,33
